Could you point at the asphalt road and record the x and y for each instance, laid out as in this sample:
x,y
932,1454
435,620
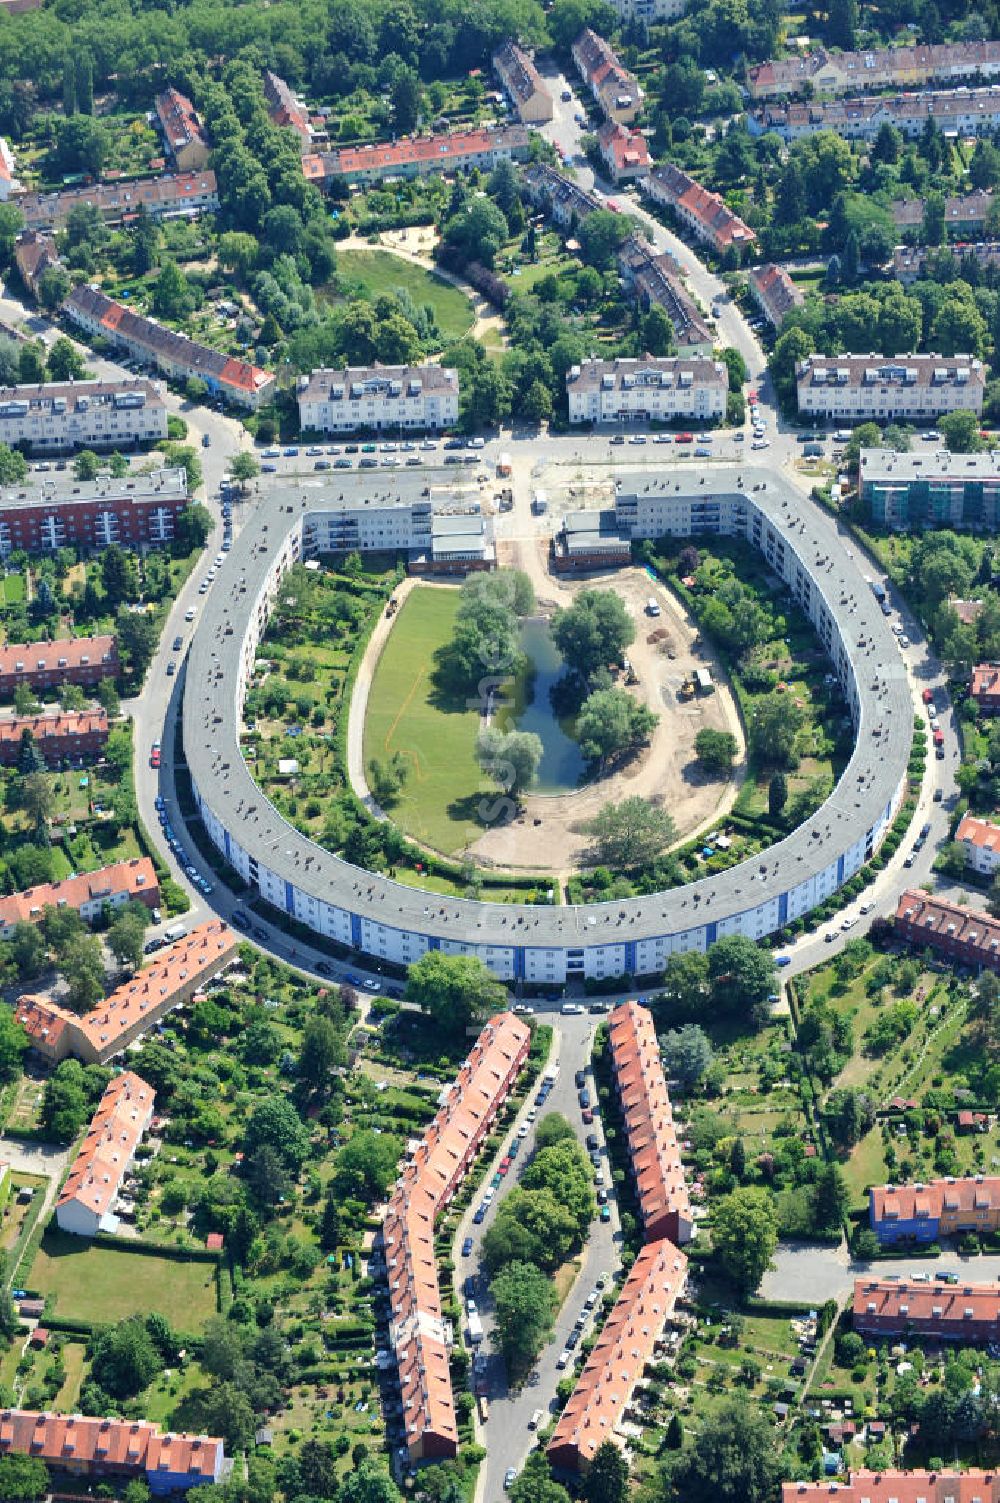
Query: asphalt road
x,y
815,1274
506,1434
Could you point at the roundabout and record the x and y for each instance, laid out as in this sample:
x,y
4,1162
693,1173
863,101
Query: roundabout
x,y
373,915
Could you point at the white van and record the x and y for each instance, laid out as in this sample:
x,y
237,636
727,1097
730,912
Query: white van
x,y
536,1419
176,931
652,607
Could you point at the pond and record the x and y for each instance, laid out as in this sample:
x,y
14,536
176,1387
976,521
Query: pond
x,y
562,763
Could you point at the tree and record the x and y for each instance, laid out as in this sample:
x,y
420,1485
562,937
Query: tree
x,y
593,632
65,1106
173,296
11,225
82,145
369,1482
455,990
612,722
510,758
126,935
124,1359
29,756
716,750
601,235
226,1411
222,1348
276,1124
53,287
13,466
632,832
553,1128
322,1049
535,1483
28,952
366,1165
848,1114
734,1457
23,1477
119,574
531,1226
657,332
477,231
37,799
405,95
745,1235
193,527
742,975
832,1198
563,1170
960,430
137,637
31,363
65,361
525,1301
82,963
86,465
687,1054
777,795
244,466
775,725
606,1480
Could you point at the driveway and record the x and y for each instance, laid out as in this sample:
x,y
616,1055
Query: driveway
x,y
48,1159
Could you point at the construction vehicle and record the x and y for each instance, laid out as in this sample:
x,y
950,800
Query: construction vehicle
x,y
687,689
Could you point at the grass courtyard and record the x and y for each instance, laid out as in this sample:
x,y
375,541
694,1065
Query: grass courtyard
x,y
104,1284
437,735
376,272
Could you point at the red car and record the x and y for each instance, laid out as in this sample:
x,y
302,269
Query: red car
x,y
927,696
504,1165
154,757
587,1114
684,438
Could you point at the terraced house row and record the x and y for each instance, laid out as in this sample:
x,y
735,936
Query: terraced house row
x,y
601,1401
87,1200
943,1312
956,112
91,1447
887,67
418,156
88,893
420,1335
899,1487
941,1208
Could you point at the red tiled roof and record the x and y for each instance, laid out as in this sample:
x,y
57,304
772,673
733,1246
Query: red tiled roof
x,y
126,1445
627,148
55,726
899,1487
23,660
136,877
920,1202
948,926
624,1347
649,1124
979,832
941,1309
424,1187
985,679
106,1152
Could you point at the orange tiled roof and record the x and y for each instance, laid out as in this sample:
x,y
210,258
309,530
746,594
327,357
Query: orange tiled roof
x,y
126,1445
899,1487
938,1197
649,1123
979,832
605,1386
25,659
106,1152
948,925
424,1187
55,725
944,1309
626,147
146,994
985,679
137,876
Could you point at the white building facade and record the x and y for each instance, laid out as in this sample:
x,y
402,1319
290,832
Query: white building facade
x,y
378,397
880,388
647,390
61,416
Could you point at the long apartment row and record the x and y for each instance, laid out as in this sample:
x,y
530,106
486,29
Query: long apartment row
x,y
421,1337
603,1394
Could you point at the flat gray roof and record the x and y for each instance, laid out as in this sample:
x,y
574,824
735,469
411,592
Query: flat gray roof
x,y
938,464
59,486
859,802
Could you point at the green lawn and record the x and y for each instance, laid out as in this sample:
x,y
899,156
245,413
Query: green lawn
x,y
379,271
435,734
11,589
104,1283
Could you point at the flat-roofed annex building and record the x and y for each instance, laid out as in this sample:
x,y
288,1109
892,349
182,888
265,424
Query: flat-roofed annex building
x,y
64,415
649,389
653,1146
378,397
963,1312
89,892
627,1343
882,387
909,492
420,1335
86,1203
